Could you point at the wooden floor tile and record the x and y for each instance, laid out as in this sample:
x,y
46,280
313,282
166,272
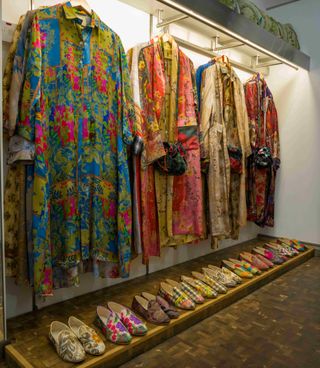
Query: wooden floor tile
x,y
277,326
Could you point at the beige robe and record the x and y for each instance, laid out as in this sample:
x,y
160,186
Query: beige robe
x,y
217,120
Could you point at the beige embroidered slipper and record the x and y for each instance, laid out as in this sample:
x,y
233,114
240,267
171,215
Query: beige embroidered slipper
x,y
66,343
88,337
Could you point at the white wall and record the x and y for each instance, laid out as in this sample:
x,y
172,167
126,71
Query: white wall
x,y
297,95
120,18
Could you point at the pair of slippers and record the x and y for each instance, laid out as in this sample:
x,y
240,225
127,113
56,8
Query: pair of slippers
x,y
74,340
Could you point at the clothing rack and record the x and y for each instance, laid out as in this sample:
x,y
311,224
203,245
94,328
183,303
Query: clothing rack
x,y
211,19
257,63
211,54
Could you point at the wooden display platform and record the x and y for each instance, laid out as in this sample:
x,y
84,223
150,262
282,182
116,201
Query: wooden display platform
x,y
31,347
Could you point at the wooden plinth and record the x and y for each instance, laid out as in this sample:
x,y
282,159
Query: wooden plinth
x,y
31,348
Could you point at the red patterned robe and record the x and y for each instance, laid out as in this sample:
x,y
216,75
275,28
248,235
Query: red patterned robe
x,y
263,133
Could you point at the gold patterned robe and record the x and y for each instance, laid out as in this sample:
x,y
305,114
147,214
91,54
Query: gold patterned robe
x,y
224,124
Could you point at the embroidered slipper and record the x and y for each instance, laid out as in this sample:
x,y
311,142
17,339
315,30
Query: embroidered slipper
x,y
227,273
239,270
170,310
254,260
88,337
191,292
220,277
175,296
149,310
246,265
293,251
276,252
267,253
211,282
111,326
66,343
290,246
282,250
299,245
205,290
264,260
133,324
296,244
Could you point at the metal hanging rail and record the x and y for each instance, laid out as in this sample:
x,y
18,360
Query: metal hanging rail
x,y
211,53
206,12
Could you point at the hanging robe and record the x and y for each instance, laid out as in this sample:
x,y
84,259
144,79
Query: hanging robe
x,y
169,104
224,124
263,132
81,198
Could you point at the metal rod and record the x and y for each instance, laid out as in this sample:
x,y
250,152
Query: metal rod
x,y
226,47
282,4
150,27
266,65
171,20
214,43
172,4
190,46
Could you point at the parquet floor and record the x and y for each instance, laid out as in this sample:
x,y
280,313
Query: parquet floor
x,y
277,326
29,333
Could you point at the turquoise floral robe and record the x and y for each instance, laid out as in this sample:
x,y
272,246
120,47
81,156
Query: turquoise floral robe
x,y
77,108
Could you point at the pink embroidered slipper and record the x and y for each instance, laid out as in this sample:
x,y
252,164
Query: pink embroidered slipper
x,y
133,324
111,326
254,260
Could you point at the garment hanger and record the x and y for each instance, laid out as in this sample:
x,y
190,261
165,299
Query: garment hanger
x,y
256,76
166,37
83,4
223,59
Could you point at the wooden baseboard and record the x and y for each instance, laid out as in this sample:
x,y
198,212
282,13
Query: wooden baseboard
x,y
118,355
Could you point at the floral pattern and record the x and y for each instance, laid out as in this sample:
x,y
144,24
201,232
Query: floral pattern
x,y
172,210
263,132
133,324
114,330
81,200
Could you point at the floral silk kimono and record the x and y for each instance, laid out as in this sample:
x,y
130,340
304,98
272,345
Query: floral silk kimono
x,y
263,133
77,108
168,99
